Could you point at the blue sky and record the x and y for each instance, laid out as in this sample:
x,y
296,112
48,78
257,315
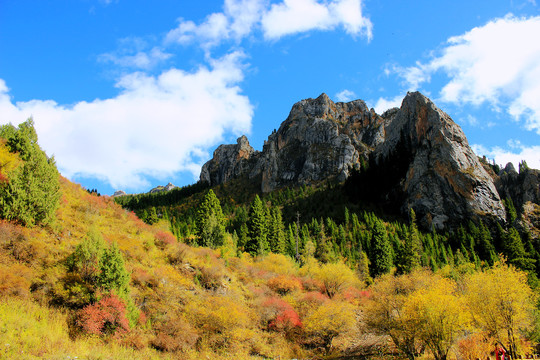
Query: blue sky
x,y
132,94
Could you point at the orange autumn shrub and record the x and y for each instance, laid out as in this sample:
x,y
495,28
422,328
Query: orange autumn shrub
x,y
283,284
15,280
475,346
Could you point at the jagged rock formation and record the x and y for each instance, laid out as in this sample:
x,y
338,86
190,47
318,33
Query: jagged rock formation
x,y
521,187
445,180
229,161
119,193
161,188
418,158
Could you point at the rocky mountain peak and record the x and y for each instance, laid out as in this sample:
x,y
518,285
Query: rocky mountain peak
x,y
444,180
418,158
229,161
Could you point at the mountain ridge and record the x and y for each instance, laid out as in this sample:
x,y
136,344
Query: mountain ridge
x,y
431,167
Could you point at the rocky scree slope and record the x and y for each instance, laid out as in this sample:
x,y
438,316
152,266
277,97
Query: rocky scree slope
x,y
415,156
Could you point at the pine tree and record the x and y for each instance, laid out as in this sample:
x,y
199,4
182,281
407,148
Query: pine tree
x,y
486,250
113,275
243,238
276,233
323,250
412,249
32,193
152,217
86,260
381,251
514,249
511,213
210,221
258,228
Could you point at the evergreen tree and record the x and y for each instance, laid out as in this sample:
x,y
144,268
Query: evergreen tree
x,y
258,228
113,275
363,268
210,221
485,248
32,191
323,250
152,217
291,241
243,238
511,213
276,233
86,260
381,251
514,249
412,249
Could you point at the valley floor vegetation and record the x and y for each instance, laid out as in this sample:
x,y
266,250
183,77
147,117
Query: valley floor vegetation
x,y
203,278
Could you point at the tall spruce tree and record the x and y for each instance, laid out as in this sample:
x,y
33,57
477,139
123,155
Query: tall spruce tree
x,y
276,231
381,251
258,228
210,221
412,249
113,275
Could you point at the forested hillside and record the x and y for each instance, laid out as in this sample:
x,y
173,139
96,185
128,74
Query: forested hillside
x,y
227,272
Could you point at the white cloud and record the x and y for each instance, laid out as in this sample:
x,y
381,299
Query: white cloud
x,y
384,104
298,16
214,29
345,95
519,153
244,15
156,126
240,18
140,60
498,63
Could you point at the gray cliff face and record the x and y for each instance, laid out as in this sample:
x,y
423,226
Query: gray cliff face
x,y
228,162
319,140
522,187
442,178
445,180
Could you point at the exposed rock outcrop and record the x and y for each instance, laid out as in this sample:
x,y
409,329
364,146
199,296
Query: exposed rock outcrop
x,y
445,181
161,188
228,162
521,187
431,167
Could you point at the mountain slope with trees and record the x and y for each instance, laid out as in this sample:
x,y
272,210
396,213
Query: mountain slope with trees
x,y
233,273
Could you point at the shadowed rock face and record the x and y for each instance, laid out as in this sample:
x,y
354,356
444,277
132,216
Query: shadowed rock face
x,y
445,181
441,178
229,161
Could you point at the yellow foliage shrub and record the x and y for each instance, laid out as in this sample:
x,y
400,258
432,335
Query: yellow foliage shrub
x,y
277,264
15,280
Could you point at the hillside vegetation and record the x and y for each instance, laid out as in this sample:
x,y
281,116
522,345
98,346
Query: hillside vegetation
x,y
217,275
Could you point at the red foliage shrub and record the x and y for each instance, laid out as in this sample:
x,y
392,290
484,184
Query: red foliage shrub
x,y
3,178
284,284
164,238
356,296
106,317
281,315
